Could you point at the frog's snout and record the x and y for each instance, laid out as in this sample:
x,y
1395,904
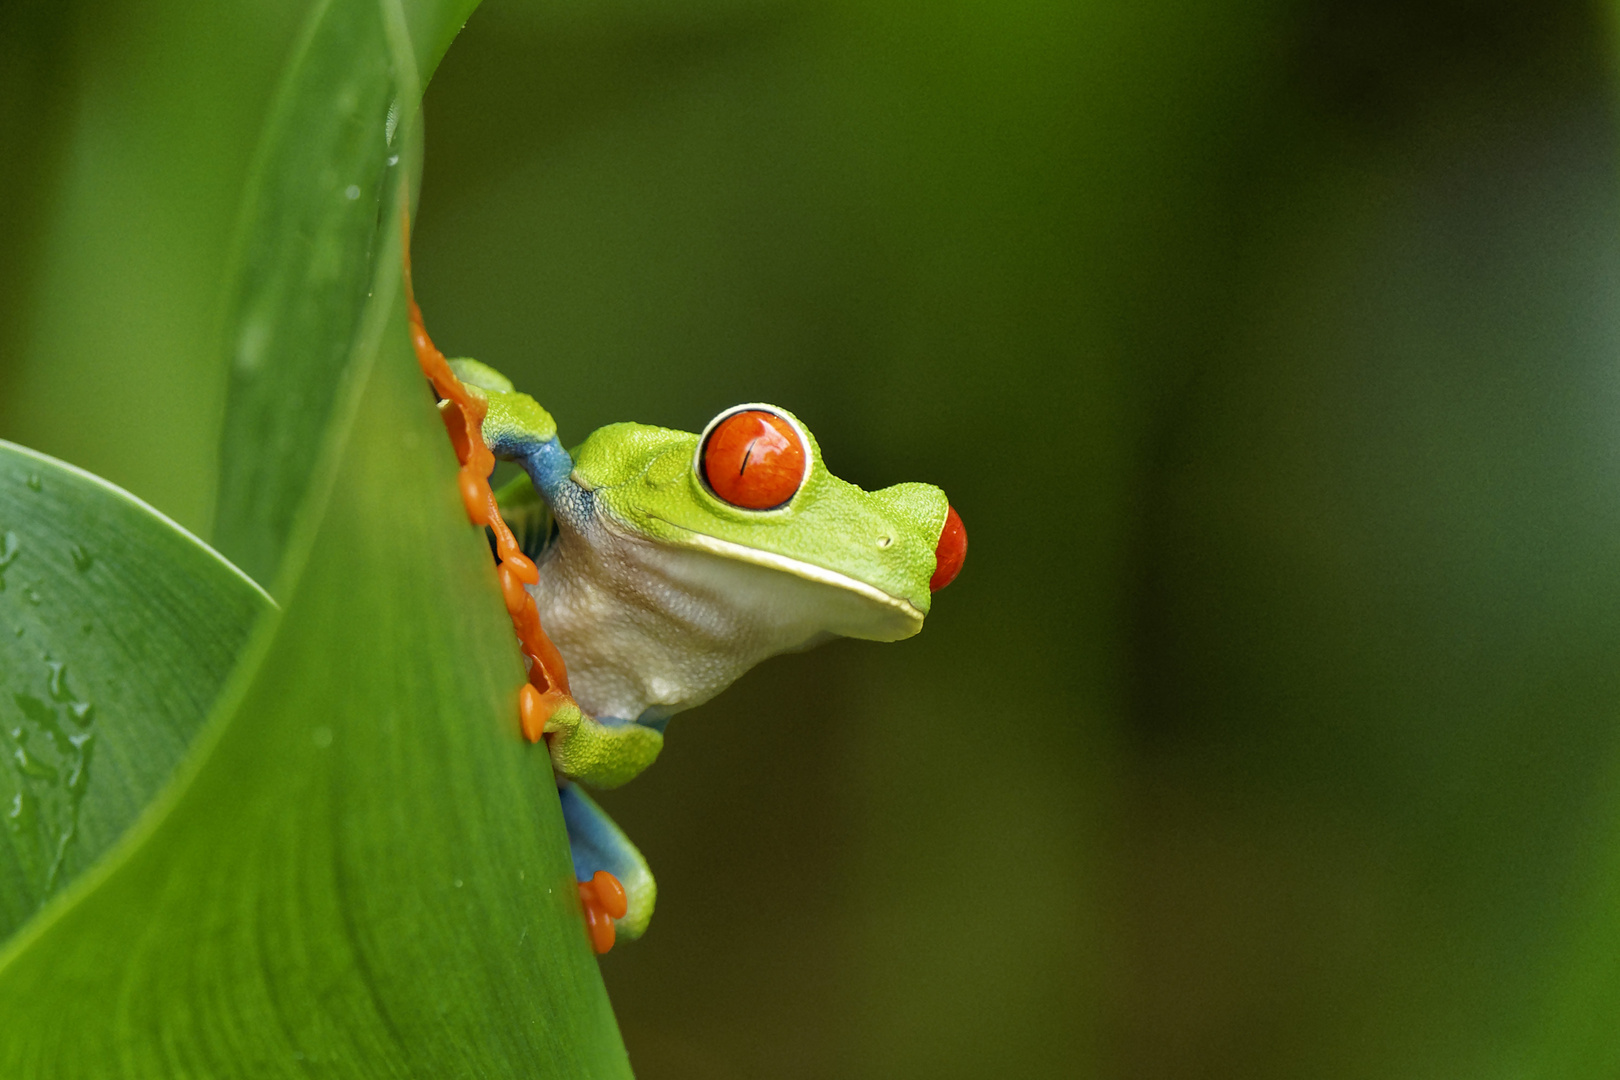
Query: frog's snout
x,y
950,552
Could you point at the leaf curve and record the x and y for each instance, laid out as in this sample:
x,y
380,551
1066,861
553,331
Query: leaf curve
x,y
117,630
360,869
341,132
363,870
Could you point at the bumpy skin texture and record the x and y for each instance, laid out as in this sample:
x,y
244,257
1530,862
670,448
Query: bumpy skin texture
x,y
658,593
605,755
646,479
513,418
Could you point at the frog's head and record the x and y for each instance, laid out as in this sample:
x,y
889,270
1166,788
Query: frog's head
x,y
752,488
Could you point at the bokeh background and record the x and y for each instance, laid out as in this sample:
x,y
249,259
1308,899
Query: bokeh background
x,y
1271,353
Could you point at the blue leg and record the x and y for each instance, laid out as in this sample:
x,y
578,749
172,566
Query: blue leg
x,y
596,843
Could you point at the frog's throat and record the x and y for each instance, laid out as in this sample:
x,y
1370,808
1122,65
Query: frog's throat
x,y
808,571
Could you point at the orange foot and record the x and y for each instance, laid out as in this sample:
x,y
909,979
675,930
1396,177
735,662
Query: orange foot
x,y
547,687
604,900
463,415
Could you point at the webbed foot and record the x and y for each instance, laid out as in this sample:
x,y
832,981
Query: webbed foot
x,y
616,887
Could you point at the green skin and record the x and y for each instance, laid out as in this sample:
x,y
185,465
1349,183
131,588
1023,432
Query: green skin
x,y
658,593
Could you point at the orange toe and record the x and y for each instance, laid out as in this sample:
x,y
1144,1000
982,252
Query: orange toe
x,y
598,923
610,894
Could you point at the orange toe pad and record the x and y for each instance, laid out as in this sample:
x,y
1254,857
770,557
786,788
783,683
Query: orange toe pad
x,y
604,900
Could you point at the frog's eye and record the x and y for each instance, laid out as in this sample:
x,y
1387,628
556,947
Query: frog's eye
x,y
753,457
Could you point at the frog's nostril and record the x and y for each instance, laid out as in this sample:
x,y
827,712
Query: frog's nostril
x,y
949,552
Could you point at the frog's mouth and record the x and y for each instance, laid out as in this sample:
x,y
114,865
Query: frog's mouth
x,y
903,611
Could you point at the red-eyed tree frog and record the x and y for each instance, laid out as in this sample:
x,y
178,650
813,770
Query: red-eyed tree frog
x,y
670,563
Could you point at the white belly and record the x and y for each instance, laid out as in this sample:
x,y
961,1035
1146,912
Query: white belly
x,y
642,625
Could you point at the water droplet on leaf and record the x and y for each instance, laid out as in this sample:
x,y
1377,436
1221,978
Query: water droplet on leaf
x,y
31,766
20,814
58,681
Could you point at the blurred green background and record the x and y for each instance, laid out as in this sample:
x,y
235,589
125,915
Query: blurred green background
x,y
1270,352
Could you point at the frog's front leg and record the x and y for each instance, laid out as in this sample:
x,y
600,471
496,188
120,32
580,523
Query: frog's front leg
x,y
616,889
603,753
601,850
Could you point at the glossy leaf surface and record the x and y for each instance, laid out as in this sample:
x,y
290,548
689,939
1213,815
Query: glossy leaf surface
x,y
359,868
117,631
313,219
336,141
363,872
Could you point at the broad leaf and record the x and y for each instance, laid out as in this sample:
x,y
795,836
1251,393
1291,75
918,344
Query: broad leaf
x,y
117,630
338,139
362,871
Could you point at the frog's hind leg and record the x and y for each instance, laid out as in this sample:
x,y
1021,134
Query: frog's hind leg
x,y
598,844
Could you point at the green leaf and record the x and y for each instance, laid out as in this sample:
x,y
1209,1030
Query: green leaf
x,y
131,125
117,630
362,869
430,26
340,136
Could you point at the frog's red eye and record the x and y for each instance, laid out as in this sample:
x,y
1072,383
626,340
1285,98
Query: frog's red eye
x,y
950,552
754,459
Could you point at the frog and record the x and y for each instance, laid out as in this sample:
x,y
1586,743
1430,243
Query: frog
x,y
672,562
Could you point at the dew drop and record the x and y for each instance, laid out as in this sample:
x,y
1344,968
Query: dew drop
x,y
9,547
20,814
82,711
458,883
29,765
34,597
82,559
79,773
321,737
35,483
251,344
58,681
352,192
